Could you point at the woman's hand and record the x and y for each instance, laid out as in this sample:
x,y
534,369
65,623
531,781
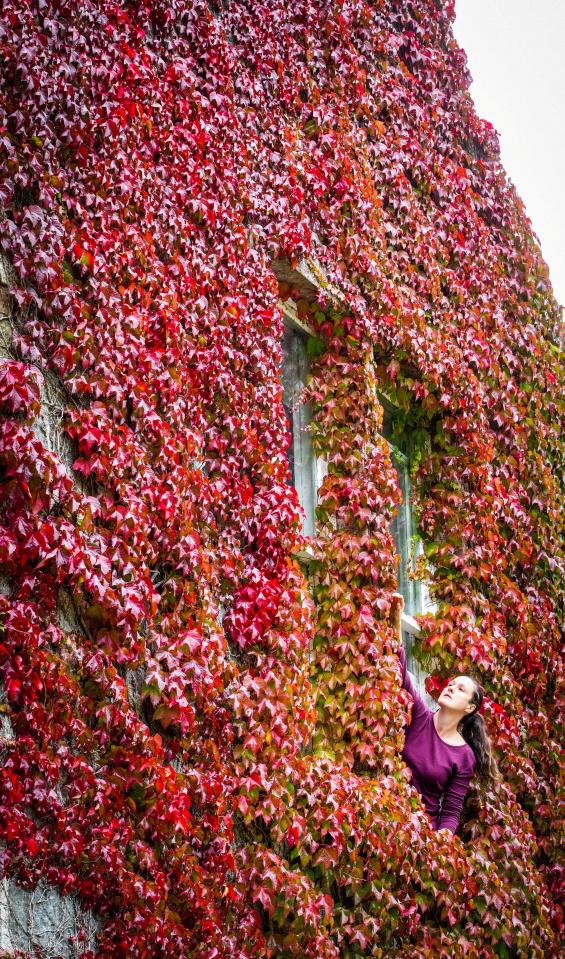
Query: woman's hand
x,y
396,612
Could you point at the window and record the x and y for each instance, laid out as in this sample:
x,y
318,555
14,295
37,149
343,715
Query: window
x,y
301,281
408,546
305,471
403,526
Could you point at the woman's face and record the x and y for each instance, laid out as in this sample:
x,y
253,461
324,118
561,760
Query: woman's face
x,y
457,694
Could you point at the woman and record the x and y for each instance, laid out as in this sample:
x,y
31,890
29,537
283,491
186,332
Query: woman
x,y
444,749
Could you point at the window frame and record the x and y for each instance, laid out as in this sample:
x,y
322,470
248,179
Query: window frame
x,y
307,483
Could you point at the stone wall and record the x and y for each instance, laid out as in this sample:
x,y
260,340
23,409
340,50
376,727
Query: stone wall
x,y
40,919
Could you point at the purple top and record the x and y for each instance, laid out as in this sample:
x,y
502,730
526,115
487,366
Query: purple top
x,y
440,772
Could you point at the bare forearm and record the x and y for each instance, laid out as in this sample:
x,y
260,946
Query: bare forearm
x,y
396,614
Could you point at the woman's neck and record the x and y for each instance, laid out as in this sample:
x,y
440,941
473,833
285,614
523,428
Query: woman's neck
x,y
447,723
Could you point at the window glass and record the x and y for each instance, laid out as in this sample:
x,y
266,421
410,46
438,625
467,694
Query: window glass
x,y
404,532
301,459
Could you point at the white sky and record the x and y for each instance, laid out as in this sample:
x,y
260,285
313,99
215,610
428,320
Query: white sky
x,y
516,55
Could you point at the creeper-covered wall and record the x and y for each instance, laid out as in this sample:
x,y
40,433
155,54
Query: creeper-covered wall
x,y
205,754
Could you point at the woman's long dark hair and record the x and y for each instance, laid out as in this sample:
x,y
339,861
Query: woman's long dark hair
x,y
472,728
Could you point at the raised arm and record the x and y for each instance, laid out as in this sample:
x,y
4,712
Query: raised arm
x,y
453,799
419,706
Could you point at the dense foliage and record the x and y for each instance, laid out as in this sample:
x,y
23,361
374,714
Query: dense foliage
x,y
206,747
